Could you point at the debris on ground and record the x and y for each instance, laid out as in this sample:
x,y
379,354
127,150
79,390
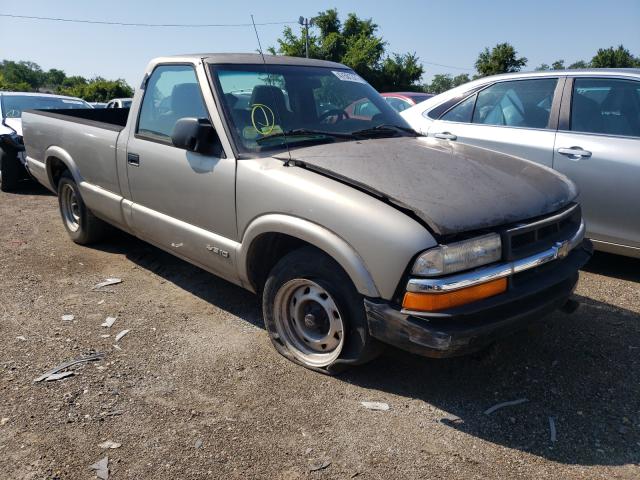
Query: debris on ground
x,y
108,322
109,444
59,376
3,421
121,334
67,318
62,366
105,335
552,430
100,302
106,283
102,468
511,403
316,465
381,406
198,443
21,338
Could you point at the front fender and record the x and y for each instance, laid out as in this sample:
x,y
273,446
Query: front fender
x,y
314,234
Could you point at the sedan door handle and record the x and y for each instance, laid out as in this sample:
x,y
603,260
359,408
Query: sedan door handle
x,y
133,159
574,152
446,136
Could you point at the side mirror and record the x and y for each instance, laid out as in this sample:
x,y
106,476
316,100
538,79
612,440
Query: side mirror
x,y
196,135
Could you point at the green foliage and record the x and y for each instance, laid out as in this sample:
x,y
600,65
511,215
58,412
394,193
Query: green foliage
x,y
557,65
99,90
354,43
614,58
500,59
29,77
579,64
443,82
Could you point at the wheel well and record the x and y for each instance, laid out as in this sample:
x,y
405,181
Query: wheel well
x,y
56,168
267,250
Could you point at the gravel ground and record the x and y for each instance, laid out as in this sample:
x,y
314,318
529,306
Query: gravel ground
x,y
195,389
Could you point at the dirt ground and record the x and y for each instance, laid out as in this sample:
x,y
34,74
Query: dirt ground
x,y
197,391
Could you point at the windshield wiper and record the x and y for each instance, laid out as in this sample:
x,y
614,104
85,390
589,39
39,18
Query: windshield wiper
x,y
298,132
384,128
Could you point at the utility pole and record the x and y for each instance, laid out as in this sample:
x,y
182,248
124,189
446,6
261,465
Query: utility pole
x,y
306,22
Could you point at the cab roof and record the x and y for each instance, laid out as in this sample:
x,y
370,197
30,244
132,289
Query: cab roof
x,y
254,58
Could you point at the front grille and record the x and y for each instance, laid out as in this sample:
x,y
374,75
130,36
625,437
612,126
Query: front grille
x,y
526,239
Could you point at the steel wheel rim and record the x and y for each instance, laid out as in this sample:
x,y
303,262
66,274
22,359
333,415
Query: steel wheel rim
x,y
309,322
70,207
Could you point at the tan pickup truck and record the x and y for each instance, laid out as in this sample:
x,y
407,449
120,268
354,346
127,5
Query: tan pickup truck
x,y
354,230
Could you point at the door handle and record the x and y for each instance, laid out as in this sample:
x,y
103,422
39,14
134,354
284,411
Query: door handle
x,y
133,159
574,152
446,136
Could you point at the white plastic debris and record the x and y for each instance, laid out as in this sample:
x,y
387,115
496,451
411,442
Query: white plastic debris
x,y
102,468
381,406
4,421
105,335
552,430
121,334
109,444
489,411
100,302
21,338
59,376
107,282
108,322
67,317
62,366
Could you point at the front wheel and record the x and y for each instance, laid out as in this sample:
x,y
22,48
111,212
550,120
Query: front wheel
x,y
314,315
81,224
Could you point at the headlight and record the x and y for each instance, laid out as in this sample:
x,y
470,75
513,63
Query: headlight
x,y
459,256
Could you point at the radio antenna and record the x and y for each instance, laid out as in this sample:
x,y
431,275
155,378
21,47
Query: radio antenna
x,y
275,104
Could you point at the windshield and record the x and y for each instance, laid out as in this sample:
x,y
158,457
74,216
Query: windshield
x,y
270,106
14,105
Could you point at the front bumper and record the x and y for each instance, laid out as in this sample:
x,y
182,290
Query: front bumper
x,y
532,293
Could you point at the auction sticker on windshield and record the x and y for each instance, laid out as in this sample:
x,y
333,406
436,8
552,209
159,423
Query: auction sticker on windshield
x,y
349,77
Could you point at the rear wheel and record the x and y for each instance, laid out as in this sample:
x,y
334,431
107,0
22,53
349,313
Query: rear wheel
x,y
81,224
314,315
11,170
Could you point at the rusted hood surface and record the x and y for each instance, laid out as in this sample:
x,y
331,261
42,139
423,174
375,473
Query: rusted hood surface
x,y
453,188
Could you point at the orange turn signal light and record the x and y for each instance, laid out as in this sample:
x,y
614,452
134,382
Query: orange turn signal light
x,y
433,302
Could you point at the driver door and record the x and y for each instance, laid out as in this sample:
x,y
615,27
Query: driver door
x,y
184,202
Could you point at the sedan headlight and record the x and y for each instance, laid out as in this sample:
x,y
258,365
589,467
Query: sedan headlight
x,y
459,256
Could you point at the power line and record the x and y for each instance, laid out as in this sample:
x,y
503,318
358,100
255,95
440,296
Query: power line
x,y
449,66
124,24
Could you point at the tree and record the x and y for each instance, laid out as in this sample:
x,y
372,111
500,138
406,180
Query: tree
x,y
21,75
579,64
557,65
54,77
443,82
614,58
356,44
500,59
99,89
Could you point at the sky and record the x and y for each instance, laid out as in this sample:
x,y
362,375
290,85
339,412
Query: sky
x,y
447,33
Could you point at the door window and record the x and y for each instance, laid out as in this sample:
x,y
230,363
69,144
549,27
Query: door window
x,y
172,93
461,112
606,105
519,103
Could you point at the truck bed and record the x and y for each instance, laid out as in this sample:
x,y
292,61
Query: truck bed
x,y
112,118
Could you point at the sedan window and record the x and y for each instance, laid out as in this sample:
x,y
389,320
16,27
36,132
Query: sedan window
x,y
519,103
461,112
606,105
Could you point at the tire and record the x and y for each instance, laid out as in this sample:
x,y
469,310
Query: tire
x,y
81,224
314,315
11,170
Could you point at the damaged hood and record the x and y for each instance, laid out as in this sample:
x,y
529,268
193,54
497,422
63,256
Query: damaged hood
x,y
451,187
